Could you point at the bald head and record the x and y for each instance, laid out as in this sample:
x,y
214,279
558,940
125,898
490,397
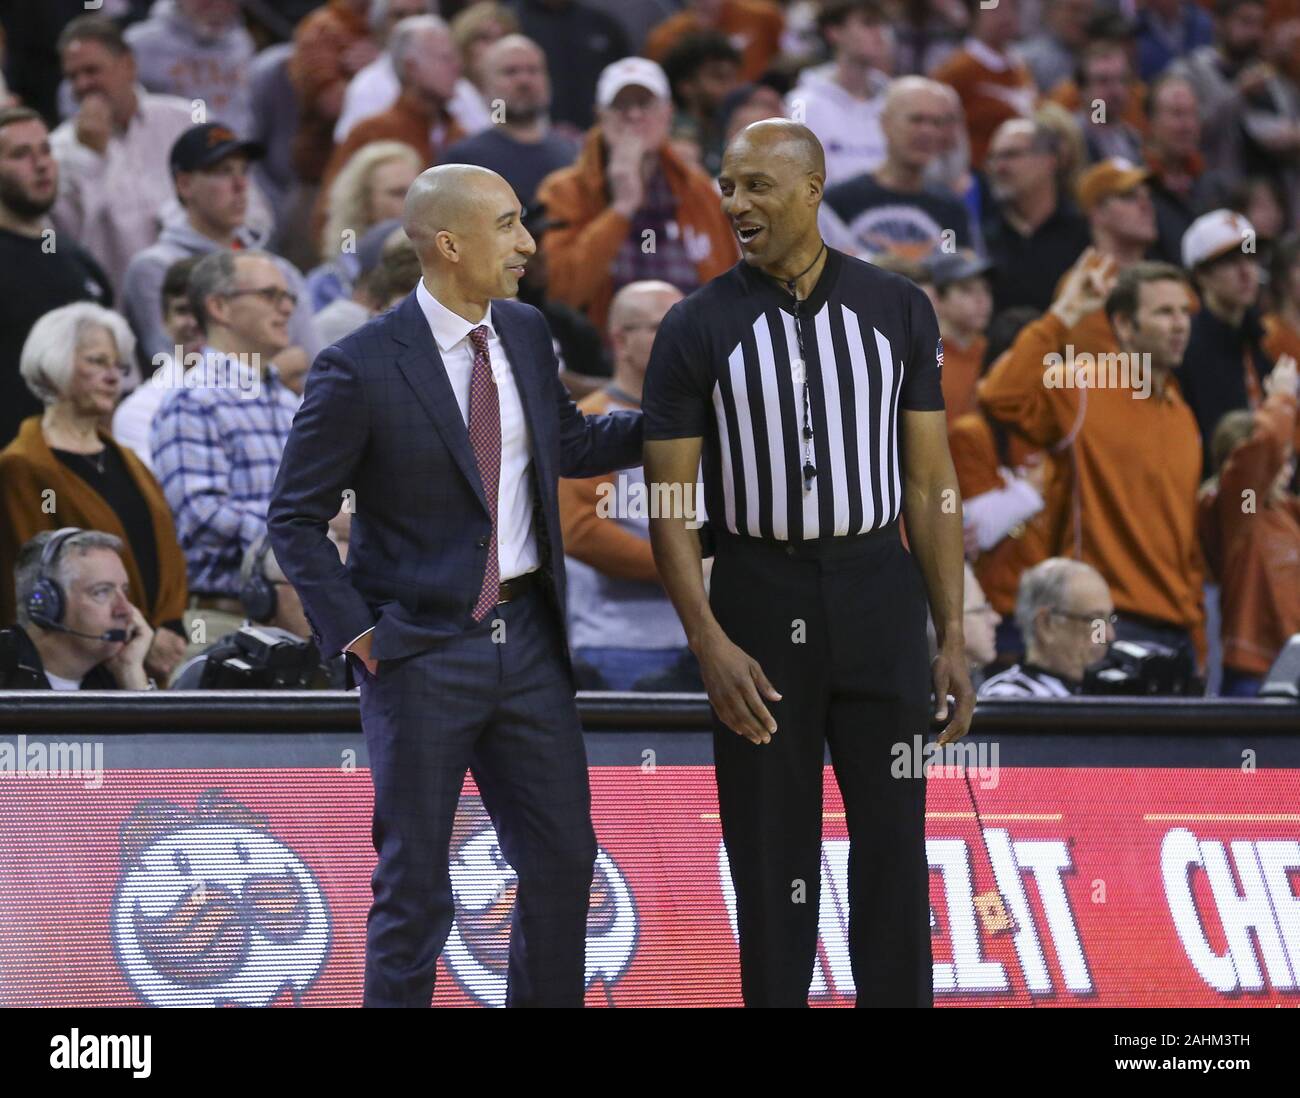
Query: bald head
x,y
635,301
772,179
464,222
634,317
783,138
507,45
907,91
447,197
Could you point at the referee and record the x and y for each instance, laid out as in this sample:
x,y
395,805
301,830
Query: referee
x,y
809,383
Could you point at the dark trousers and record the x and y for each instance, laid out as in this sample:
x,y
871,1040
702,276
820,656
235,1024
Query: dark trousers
x,y
838,627
504,711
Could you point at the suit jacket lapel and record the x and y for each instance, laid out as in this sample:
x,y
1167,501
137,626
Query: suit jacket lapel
x,y
423,368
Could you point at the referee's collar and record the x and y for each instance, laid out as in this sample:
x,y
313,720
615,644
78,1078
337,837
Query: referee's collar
x,y
763,283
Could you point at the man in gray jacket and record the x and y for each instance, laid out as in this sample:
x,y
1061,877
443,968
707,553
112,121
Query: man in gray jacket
x,y
209,165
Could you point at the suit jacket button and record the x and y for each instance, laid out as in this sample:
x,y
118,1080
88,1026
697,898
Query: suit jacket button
x,y
482,542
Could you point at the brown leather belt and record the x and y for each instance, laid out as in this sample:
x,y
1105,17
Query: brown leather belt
x,y
511,589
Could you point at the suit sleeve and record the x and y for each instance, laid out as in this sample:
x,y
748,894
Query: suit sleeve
x,y
325,448
589,445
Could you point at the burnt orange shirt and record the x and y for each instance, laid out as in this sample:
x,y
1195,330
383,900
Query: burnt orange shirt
x,y
1282,339
754,27
992,89
961,370
1137,464
588,232
975,458
1255,543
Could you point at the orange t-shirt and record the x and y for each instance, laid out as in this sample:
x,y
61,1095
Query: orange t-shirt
x,y
975,458
753,26
992,89
961,370
1282,339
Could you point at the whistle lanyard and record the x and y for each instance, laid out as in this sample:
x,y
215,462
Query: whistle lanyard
x,y
809,469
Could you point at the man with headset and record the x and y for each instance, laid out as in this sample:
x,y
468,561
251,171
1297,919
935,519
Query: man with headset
x,y
268,599
77,628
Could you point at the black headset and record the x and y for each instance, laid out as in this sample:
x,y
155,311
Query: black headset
x,y
47,604
257,593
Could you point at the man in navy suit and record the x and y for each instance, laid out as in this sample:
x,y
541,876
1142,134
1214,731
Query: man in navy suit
x,y
446,421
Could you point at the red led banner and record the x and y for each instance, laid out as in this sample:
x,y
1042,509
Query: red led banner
x,y
1106,887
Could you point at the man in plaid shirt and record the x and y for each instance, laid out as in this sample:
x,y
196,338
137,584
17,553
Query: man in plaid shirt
x,y
217,440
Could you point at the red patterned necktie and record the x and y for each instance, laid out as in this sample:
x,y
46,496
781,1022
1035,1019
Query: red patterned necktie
x,y
485,438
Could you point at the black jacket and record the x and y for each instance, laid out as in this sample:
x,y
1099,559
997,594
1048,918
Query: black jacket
x,y
1212,376
21,668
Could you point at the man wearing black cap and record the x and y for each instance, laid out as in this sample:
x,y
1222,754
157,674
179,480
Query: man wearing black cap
x,y
210,168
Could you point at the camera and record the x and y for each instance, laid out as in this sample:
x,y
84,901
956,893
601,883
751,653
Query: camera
x,y
1139,669
262,657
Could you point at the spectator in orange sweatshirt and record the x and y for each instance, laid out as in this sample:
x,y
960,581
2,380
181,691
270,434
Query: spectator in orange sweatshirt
x,y
624,631
330,46
1134,443
754,25
630,209
993,84
1250,527
1282,323
427,67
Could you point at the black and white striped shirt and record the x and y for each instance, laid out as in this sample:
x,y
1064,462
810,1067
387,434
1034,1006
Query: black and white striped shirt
x,y
1024,681
726,368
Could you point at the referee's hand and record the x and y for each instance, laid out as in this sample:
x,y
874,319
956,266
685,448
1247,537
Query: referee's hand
x,y
737,687
951,676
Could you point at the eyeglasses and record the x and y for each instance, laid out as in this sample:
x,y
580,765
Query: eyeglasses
x,y
272,295
1109,619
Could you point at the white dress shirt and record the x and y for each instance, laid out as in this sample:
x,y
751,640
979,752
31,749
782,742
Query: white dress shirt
x,y
516,539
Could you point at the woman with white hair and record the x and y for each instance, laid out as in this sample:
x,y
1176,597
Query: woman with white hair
x,y
65,469
370,189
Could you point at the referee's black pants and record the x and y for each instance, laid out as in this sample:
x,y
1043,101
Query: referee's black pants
x,y
838,626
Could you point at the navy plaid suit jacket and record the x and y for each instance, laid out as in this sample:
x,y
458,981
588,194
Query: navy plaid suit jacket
x,y
379,419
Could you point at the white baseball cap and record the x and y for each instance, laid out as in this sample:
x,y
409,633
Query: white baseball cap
x,y
1214,234
625,73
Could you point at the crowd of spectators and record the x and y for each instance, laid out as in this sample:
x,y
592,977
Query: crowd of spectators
x,y
1099,197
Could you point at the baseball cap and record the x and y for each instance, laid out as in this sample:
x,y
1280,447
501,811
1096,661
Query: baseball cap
x,y
1107,178
202,146
1214,234
625,73
948,267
